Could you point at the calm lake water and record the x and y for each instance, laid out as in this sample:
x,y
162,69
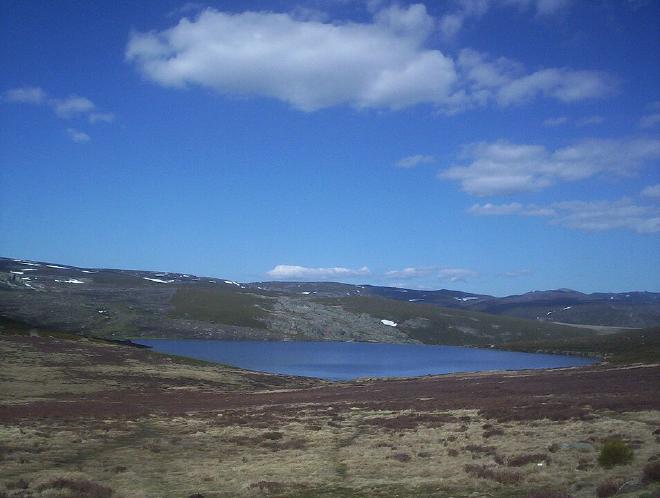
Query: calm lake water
x,y
350,360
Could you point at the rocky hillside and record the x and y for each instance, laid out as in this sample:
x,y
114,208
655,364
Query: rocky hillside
x,y
128,303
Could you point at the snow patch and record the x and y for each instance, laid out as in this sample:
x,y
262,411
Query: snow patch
x,y
158,280
231,282
414,300
17,272
567,308
28,269
87,271
70,281
306,293
389,323
30,264
58,267
465,298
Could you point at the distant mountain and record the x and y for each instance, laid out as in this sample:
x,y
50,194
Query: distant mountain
x,y
133,303
626,309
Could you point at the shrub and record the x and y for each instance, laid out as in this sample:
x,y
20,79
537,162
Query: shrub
x,y
547,493
78,488
495,431
401,457
520,460
651,472
452,452
500,475
615,452
608,488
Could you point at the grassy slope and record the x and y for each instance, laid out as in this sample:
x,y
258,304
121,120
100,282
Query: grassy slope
x,y
636,346
220,305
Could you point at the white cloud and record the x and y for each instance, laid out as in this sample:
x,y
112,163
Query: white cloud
x,y
25,95
590,120
516,273
66,108
311,64
410,272
306,63
555,121
504,81
541,7
295,272
78,136
72,106
101,117
590,216
652,191
650,120
412,161
457,274
451,23
501,168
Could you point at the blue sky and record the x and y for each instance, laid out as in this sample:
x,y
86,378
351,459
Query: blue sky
x,y
494,146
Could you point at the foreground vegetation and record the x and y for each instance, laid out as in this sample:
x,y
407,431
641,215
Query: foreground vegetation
x,y
83,417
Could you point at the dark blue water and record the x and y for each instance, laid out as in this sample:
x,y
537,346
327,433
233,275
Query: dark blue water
x,y
350,360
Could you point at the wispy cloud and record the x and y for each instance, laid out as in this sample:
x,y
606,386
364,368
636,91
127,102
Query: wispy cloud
x,y
66,108
78,136
652,191
515,273
451,23
555,121
101,117
501,168
71,106
416,160
589,120
591,216
295,272
650,120
457,274
389,63
25,95
410,272
434,272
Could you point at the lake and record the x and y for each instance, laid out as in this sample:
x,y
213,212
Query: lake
x,y
351,360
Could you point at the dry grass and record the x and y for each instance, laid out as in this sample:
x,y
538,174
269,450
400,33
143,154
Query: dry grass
x,y
305,449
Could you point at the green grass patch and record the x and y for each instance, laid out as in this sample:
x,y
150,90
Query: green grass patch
x,y
220,305
631,346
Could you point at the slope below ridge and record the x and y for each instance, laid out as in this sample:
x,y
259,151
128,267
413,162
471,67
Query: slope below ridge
x,y
135,303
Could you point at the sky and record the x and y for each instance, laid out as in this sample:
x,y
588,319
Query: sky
x,y
490,146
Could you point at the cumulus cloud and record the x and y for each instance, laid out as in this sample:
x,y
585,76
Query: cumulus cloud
x,y
501,168
78,136
590,216
295,272
416,160
652,191
25,95
313,64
